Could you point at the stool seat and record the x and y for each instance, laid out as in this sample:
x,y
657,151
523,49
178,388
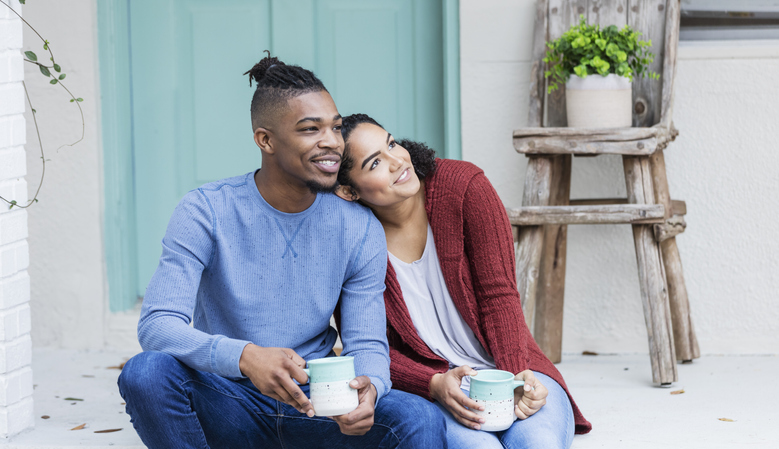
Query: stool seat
x,y
593,141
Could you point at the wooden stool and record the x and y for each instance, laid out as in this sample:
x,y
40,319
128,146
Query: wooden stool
x,y
546,206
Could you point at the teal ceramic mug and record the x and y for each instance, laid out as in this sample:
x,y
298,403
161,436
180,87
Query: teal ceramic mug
x,y
494,389
328,380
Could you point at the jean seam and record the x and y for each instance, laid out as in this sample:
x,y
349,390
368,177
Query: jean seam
x,y
210,387
390,429
202,433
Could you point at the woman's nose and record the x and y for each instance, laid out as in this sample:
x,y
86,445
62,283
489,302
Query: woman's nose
x,y
395,161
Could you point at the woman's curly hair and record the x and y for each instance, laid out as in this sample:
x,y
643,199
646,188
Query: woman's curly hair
x,y
422,156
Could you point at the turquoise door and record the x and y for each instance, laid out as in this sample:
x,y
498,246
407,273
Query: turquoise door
x,y
190,102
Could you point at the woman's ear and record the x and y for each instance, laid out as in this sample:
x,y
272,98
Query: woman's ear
x,y
347,193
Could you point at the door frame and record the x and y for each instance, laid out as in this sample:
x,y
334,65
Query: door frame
x,y
117,127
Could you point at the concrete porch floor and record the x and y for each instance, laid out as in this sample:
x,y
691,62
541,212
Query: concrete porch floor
x,y
614,392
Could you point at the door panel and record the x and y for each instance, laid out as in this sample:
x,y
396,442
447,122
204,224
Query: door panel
x,y
191,120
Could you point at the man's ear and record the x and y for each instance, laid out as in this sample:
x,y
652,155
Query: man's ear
x,y
263,140
348,193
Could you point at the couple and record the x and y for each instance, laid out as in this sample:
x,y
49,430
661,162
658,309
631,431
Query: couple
x,y
260,262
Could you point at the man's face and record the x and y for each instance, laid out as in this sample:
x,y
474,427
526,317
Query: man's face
x,y
307,141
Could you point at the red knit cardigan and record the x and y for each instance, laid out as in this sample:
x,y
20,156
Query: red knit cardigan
x,y
476,251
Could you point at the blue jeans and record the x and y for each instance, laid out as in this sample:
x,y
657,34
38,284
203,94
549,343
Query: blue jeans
x,y
549,428
174,406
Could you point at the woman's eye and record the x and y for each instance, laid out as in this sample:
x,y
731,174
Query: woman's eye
x,y
392,145
337,128
375,163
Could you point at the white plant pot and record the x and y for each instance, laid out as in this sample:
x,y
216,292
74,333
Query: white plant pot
x,y
599,101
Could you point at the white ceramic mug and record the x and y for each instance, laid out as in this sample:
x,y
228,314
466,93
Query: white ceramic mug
x,y
494,389
328,380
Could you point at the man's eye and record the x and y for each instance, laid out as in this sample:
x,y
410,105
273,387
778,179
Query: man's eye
x,y
312,128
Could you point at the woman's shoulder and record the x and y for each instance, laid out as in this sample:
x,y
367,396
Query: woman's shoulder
x,y
453,172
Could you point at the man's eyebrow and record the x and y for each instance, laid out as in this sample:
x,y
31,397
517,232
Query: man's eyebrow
x,y
317,119
310,119
369,158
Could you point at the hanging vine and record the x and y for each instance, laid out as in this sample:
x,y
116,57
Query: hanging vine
x,y
56,79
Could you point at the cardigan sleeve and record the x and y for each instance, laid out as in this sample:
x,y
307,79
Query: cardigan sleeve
x,y
489,246
408,374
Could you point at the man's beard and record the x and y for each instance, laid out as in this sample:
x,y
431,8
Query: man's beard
x,y
317,187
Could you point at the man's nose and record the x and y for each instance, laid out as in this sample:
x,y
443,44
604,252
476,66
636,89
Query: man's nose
x,y
332,139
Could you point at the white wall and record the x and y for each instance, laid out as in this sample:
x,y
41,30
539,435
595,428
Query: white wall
x,y
724,165
16,411
66,242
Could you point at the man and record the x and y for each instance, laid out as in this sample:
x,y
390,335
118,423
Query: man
x,y
258,263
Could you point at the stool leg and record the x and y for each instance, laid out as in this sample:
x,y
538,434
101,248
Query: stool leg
x,y
684,334
654,294
548,331
538,179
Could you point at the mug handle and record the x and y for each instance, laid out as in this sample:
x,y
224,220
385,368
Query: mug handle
x,y
518,383
308,373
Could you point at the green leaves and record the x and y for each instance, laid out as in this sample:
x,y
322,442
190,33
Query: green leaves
x,y
31,56
587,49
44,70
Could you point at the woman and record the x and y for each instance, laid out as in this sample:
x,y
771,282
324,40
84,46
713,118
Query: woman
x,y
451,297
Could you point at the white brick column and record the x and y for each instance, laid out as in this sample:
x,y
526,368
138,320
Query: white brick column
x,y
16,411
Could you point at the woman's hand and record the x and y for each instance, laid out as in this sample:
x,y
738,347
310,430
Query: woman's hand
x,y
445,388
529,399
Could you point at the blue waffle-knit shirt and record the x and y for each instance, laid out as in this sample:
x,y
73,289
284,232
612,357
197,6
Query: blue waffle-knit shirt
x,y
243,272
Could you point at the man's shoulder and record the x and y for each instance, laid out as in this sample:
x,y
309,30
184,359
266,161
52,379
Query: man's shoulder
x,y
353,218
215,186
332,204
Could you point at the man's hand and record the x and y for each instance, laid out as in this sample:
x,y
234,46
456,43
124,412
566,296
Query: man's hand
x,y
271,370
531,397
360,420
445,388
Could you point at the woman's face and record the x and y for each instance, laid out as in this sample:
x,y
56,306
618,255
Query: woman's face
x,y
382,171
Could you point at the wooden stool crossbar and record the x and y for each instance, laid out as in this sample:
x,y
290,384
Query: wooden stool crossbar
x,y
656,219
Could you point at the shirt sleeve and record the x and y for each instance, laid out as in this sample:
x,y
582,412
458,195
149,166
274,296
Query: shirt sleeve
x,y
168,305
363,322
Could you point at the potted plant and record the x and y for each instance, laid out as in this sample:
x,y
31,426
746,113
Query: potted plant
x,y
597,67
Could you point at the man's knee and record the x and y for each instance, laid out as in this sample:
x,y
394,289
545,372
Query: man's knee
x,y
416,413
146,372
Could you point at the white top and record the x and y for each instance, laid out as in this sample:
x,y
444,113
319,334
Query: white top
x,y
435,317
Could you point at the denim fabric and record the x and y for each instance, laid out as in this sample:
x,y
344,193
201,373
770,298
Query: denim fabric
x,y
174,406
551,427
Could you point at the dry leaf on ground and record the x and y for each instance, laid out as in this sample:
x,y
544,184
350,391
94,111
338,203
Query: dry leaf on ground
x,y
678,391
108,430
119,366
726,419
79,427
45,417
72,399
589,353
